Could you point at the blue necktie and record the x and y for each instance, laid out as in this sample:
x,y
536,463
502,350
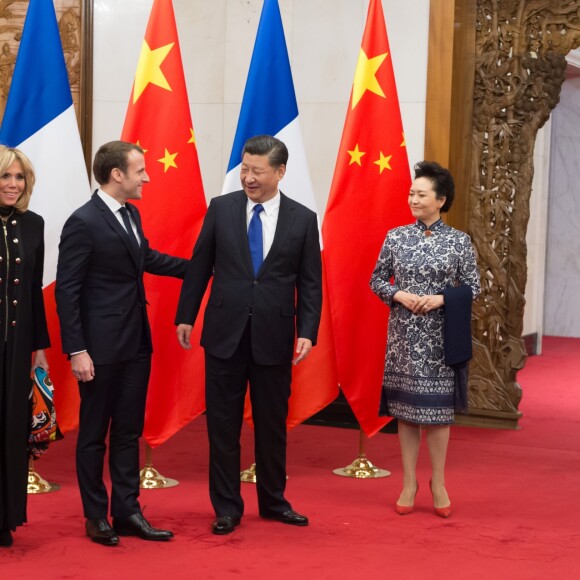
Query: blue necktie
x,y
255,238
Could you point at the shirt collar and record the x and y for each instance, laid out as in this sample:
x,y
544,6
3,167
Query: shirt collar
x,y
109,201
270,206
434,226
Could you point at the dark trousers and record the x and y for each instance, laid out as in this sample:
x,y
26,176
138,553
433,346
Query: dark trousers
x,y
113,402
225,391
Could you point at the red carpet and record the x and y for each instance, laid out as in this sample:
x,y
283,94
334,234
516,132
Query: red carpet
x,y
514,493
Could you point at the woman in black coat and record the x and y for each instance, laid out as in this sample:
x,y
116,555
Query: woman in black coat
x,y
23,330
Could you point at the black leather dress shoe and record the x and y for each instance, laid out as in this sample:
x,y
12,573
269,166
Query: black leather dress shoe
x,y
101,532
6,538
289,517
224,525
137,525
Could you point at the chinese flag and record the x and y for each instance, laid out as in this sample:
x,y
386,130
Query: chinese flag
x,y
172,209
368,197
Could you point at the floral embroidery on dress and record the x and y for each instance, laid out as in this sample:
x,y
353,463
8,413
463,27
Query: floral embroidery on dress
x,y
417,384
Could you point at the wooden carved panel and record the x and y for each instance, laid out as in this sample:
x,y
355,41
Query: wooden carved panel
x,y
519,70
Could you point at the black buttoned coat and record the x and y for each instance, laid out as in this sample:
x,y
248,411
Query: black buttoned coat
x,y
23,330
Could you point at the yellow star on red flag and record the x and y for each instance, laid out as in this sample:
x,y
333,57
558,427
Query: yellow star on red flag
x,y
365,76
149,69
168,160
356,155
383,162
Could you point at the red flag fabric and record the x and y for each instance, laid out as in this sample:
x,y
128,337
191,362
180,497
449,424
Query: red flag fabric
x,y
172,210
368,197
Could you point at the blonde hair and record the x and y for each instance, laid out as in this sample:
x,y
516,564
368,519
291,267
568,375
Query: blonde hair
x,y
8,155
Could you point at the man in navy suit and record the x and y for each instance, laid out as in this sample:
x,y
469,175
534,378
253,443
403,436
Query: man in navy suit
x,y
101,305
262,249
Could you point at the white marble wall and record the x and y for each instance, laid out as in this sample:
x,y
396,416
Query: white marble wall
x,y
217,39
562,313
536,237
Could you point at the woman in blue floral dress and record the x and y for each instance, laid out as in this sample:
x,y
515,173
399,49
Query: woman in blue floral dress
x,y
416,263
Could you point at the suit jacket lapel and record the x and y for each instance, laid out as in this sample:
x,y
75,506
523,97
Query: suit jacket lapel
x,y
137,219
114,223
283,227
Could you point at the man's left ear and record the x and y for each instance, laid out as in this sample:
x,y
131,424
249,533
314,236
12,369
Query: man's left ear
x,y
281,171
117,174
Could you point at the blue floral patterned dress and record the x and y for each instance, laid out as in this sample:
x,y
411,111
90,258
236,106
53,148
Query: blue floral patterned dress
x,y
418,385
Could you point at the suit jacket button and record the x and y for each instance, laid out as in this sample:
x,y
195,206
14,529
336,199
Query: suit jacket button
x,y
255,282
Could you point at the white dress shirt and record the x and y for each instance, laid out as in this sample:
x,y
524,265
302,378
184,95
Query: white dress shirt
x,y
269,218
115,206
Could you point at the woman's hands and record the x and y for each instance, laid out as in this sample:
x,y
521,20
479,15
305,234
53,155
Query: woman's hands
x,y
39,360
419,304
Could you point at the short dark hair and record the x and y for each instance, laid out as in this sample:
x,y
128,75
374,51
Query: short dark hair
x,y
112,155
442,181
267,145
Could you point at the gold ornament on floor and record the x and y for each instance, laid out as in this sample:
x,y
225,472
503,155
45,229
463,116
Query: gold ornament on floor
x,y
249,475
361,467
36,484
150,478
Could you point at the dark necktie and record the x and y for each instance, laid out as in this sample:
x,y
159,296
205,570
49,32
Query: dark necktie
x,y
255,238
125,215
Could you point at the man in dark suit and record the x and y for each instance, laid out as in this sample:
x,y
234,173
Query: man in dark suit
x,y
101,305
251,319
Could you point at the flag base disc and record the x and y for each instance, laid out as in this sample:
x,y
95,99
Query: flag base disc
x,y
37,484
150,478
249,475
361,468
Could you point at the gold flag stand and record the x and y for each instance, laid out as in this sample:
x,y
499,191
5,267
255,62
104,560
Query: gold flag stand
x,y
36,484
249,475
150,478
361,467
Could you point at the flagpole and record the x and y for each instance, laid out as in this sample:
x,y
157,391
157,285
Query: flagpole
x,y
36,483
150,478
361,467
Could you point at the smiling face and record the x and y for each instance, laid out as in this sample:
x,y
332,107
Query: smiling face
x,y
12,184
423,201
259,179
129,183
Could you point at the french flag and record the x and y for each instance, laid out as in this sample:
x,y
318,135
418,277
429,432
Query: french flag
x,y
269,107
40,120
